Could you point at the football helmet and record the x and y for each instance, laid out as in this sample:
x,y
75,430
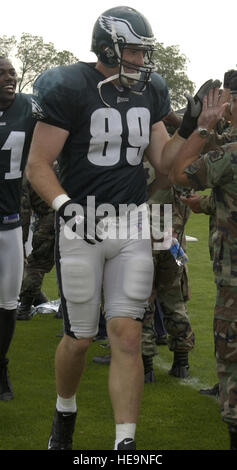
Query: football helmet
x,y
119,28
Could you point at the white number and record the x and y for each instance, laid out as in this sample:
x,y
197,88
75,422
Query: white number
x,y
105,144
138,120
15,143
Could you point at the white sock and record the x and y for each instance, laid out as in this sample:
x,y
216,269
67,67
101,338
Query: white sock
x,y
123,431
66,405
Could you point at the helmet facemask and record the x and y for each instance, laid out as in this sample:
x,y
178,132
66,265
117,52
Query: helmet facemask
x,y
138,74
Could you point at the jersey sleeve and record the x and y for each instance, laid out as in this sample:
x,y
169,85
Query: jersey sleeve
x,y
161,97
56,99
212,169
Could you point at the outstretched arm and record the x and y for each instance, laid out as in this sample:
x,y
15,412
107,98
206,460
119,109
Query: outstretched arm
x,y
162,149
213,108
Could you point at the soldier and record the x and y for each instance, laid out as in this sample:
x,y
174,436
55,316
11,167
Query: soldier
x,y
170,285
173,289
41,258
218,169
224,133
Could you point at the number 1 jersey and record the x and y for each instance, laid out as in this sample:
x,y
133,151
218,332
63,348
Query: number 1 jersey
x,y
16,128
109,130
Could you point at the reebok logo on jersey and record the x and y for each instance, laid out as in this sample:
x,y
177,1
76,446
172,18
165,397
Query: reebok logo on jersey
x,y
120,99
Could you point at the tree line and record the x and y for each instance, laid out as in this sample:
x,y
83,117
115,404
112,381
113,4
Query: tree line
x,y
34,56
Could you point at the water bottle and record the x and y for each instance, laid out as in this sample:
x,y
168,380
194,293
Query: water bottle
x,y
178,253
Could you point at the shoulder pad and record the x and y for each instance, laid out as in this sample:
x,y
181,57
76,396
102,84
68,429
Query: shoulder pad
x,y
158,82
62,78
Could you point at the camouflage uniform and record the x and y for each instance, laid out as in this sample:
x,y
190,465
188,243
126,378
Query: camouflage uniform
x,y
225,135
208,207
218,170
41,259
149,346
170,281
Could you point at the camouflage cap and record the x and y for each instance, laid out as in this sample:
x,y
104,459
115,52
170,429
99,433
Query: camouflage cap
x,y
233,84
227,78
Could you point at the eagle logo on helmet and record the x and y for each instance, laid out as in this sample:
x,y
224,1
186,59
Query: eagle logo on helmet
x,y
121,30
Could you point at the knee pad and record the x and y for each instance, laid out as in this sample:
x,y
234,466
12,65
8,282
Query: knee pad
x,y
138,278
78,280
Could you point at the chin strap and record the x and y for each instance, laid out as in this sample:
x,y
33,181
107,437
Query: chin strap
x,y
103,82
124,80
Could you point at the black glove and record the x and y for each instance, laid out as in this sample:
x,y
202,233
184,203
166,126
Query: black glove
x,y
194,108
227,77
82,221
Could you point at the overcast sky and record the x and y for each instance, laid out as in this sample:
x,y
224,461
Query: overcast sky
x,y
204,30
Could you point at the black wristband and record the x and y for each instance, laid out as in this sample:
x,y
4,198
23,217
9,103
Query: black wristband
x,y
187,127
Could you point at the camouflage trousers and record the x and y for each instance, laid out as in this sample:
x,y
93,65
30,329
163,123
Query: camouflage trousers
x,y
41,258
149,347
225,337
171,288
172,291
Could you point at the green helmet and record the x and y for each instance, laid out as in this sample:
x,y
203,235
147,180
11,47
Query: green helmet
x,y
119,28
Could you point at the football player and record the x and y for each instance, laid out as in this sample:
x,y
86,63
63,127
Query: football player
x,y
100,117
16,127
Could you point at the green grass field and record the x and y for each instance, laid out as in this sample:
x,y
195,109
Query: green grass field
x,y
173,415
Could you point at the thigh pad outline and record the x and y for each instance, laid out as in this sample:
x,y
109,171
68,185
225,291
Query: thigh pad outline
x,y
138,278
78,280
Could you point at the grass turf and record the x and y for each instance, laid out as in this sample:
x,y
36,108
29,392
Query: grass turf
x,y
174,415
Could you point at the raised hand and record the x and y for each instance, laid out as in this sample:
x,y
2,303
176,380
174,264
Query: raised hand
x,y
214,105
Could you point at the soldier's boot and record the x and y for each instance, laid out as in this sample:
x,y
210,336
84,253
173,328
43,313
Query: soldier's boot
x,y
213,391
149,376
233,436
24,309
39,299
6,392
180,367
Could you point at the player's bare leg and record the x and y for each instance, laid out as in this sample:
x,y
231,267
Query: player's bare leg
x,y
126,377
69,364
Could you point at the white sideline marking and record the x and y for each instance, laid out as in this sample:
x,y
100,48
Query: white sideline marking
x,y
192,382
191,239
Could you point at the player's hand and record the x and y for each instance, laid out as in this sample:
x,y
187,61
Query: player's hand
x,y
194,108
83,221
